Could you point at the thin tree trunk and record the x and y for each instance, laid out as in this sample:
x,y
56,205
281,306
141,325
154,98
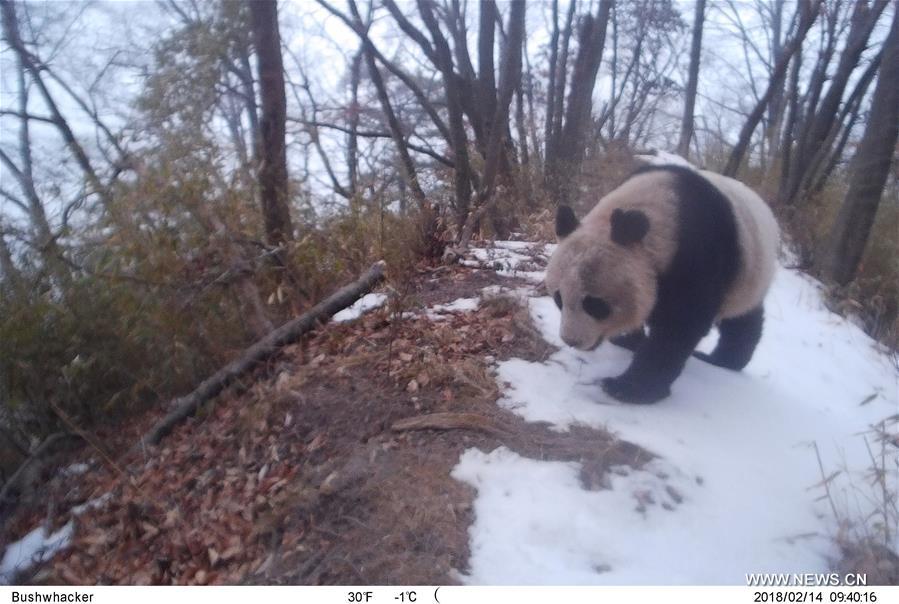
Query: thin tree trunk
x,y
245,74
466,79
510,75
863,20
273,189
870,169
686,130
532,116
551,85
521,128
405,78
821,157
45,241
444,62
561,77
808,10
486,78
13,38
776,106
569,152
352,146
790,122
610,115
409,172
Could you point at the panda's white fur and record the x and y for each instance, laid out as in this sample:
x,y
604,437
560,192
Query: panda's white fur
x,y
758,237
588,263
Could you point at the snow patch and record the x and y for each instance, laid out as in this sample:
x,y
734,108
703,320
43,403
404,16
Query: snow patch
x,y
511,259
92,504
439,312
76,469
35,547
360,307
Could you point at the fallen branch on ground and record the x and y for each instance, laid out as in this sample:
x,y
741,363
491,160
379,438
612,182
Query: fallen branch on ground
x,y
264,348
448,421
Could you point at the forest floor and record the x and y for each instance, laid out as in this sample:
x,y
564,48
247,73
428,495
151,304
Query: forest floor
x,y
449,437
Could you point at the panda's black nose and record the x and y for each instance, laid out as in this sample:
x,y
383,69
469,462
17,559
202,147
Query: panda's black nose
x,y
572,341
581,344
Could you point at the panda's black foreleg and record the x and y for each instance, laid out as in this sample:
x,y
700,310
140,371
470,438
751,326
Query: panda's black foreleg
x,y
738,338
631,340
656,364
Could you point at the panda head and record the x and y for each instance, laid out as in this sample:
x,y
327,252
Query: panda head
x,y
600,276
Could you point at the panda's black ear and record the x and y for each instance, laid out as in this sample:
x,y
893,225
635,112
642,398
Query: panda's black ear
x,y
629,226
566,222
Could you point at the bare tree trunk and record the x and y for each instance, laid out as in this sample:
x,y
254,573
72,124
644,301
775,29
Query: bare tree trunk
x,y
396,131
610,112
444,62
822,159
551,85
392,67
245,74
686,129
532,115
790,122
520,127
864,17
273,152
808,12
13,38
44,239
510,76
776,107
870,169
486,79
352,146
552,145
569,152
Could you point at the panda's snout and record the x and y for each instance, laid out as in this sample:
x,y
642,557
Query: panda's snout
x,y
571,340
580,343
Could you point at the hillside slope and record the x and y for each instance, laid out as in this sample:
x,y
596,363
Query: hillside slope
x,y
444,434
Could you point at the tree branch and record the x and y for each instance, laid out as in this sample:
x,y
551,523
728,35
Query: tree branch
x,y
263,349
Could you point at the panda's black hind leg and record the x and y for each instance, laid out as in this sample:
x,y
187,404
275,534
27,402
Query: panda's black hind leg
x,y
738,338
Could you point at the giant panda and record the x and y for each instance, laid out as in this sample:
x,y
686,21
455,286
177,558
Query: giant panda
x,y
676,250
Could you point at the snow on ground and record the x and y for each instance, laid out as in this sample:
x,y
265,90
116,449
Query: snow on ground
x,y
439,312
40,545
360,307
510,259
76,469
35,547
733,490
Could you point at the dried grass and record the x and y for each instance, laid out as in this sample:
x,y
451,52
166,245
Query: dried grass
x,y
868,541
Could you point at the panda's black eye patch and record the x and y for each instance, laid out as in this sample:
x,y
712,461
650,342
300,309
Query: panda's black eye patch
x,y
596,308
558,299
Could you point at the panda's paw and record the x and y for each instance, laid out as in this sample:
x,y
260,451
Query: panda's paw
x,y
704,357
711,359
628,390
